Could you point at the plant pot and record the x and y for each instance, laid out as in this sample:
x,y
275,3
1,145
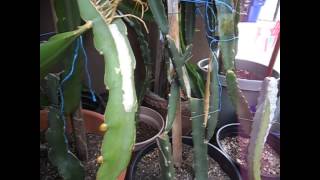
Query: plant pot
x,y
151,118
160,104
92,122
225,163
234,129
250,88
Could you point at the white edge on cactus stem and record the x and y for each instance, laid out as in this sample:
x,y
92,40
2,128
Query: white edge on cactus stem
x,y
126,68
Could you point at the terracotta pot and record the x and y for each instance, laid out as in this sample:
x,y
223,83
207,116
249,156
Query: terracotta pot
x,y
92,122
160,104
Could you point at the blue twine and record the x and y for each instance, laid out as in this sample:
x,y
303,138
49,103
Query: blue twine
x,y
87,71
63,118
48,33
211,29
68,76
76,52
198,11
207,19
209,2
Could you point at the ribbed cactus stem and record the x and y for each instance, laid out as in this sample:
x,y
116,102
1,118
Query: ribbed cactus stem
x,y
214,99
159,15
69,167
178,60
237,4
226,34
232,85
110,40
238,100
146,56
262,121
200,147
167,169
172,105
188,21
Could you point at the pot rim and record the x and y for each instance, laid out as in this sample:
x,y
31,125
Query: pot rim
x,y
143,151
244,84
160,131
225,152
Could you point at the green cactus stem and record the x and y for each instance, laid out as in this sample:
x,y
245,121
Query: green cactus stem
x,y
159,15
226,34
188,22
110,40
167,169
178,60
267,103
69,167
200,147
68,19
214,99
146,56
172,105
238,100
237,4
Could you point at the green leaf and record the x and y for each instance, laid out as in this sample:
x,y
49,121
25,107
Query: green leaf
x,y
196,80
51,51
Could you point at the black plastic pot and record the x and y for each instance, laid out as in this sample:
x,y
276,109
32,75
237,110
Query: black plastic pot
x,y
231,130
226,164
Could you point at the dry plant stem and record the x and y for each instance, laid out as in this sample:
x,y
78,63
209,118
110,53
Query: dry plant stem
x,y
144,6
79,132
207,93
108,10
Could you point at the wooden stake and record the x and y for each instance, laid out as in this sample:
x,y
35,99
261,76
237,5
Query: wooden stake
x,y
173,17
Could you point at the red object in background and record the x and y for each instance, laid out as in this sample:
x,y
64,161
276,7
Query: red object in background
x,y
275,32
274,56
